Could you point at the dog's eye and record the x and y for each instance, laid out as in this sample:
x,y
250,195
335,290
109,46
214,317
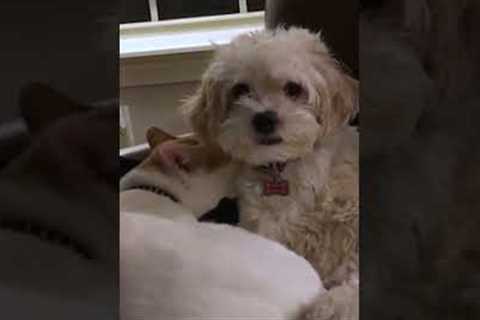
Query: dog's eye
x,y
240,89
293,89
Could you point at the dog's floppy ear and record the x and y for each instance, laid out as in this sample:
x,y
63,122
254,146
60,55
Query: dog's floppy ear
x,y
345,102
337,100
205,108
156,136
40,106
337,93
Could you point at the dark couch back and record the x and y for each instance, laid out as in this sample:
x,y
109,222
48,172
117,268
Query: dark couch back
x,y
336,19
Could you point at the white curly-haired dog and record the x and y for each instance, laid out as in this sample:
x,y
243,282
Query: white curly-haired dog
x,y
279,104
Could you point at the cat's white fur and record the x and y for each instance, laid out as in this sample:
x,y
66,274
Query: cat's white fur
x,y
173,267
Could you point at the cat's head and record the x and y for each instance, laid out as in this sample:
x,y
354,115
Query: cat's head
x,y
72,142
197,175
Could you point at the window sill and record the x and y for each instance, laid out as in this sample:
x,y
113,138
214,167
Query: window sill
x,y
168,52
184,35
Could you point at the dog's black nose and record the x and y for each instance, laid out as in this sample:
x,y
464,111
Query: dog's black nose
x,y
265,122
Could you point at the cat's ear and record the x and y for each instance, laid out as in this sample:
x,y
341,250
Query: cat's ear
x,y
156,136
41,105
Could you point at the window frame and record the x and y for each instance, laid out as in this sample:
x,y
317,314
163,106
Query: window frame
x,y
142,39
171,51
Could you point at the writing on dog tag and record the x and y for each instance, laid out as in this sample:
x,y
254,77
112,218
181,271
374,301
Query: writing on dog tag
x,y
275,187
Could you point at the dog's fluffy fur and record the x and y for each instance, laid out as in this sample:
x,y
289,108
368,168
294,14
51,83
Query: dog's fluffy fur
x,y
319,217
175,267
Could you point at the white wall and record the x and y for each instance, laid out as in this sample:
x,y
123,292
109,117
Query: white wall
x,y
154,87
156,105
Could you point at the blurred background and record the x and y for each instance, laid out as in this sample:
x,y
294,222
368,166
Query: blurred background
x,y
70,46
